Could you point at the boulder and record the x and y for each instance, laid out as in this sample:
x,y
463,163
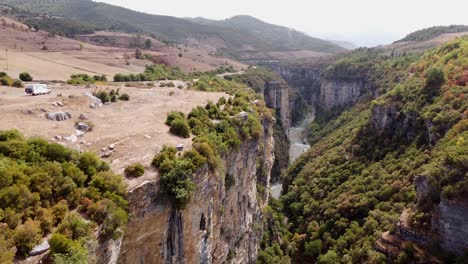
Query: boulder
x,y
95,102
58,116
59,138
82,127
112,146
39,249
30,111
83,117
107,154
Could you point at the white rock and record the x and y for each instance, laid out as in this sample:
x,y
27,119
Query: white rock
x,y
71,138
79,133
112,146
39,249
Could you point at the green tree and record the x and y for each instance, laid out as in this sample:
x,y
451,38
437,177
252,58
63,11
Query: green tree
x,y
148,44
27,236
25,77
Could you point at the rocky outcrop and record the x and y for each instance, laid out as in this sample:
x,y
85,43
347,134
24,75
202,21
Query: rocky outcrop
x,y
449,218
220,225
336,93
389,119
276,95
450,222
58,116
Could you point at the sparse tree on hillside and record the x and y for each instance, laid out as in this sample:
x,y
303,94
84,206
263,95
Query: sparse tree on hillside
x,y
138,54
148,44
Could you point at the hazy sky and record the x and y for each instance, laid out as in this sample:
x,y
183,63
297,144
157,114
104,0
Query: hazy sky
x,y
363,22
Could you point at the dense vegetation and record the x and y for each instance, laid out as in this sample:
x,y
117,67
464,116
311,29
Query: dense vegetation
x,y
62,26
82,79
49,189
239,32
355,181
432,32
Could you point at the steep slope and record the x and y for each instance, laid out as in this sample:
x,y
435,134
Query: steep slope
x,y
362,168
231,41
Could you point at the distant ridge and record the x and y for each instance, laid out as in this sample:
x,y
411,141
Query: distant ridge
x,y
233,37
432,32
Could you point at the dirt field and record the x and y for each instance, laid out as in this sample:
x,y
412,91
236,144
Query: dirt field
x,y
135,127
64,57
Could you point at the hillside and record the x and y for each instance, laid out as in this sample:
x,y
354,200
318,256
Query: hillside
x,y
234,41
396,164
432,32
281,38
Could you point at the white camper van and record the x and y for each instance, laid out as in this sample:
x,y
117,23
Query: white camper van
x,y
37,89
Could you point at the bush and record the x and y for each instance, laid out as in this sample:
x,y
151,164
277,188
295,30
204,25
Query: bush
x,y
174,115
180,127
25,77
124,97
27,236
17,84
135,170
6,81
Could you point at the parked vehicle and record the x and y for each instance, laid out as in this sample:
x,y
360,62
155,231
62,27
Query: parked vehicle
x,y
37,89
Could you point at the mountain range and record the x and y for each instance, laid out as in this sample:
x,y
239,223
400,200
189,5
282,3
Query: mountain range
x,y
239,37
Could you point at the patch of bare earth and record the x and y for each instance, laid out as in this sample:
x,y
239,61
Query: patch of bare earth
x,y
135,127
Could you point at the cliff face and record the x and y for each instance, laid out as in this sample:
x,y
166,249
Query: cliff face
x,y
219,225
449,220
276,95
335,93
310,90
305,88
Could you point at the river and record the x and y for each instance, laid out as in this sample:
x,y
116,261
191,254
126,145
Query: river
x,y
298,145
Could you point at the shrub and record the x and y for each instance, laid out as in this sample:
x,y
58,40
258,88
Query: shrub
x,y
103,95
17,84
25,77
135,170
124,97
170,84
174,115
27,236
180,127
6,81
177,183
167,153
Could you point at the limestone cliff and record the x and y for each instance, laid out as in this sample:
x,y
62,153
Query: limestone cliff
x,y
221,224
304,83
336,93
450,221
276,95
449,218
